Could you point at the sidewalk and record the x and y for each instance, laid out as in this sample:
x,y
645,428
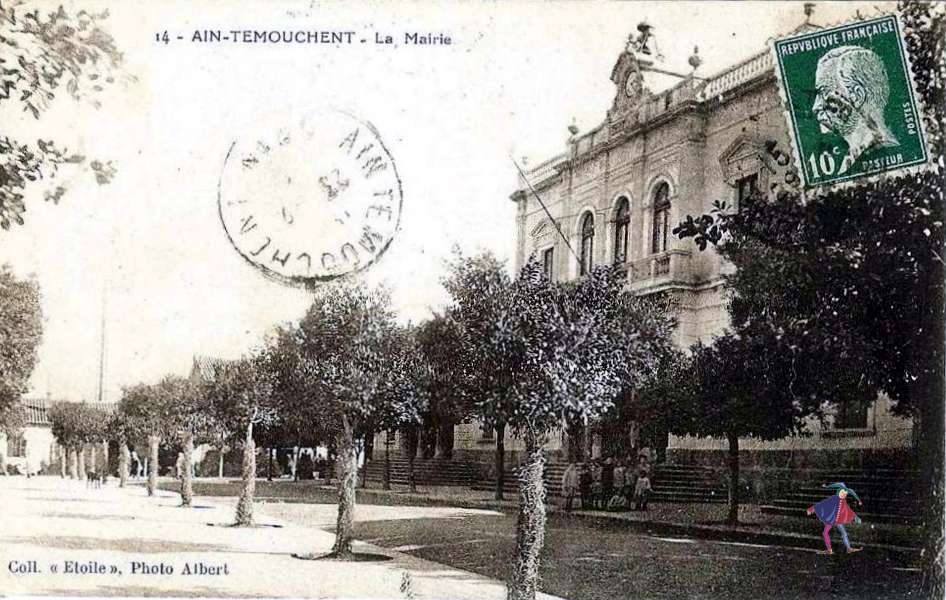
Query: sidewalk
x,y
126,544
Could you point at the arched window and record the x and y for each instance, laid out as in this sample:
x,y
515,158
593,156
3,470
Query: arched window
x,y
661,217
621,222
587,243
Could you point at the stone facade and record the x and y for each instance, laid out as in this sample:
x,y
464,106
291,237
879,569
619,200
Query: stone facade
x,y
608,193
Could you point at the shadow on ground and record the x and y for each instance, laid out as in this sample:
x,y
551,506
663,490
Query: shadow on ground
x,y
145,592
87,516
144,546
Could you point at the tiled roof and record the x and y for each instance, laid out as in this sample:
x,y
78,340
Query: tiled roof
x,y
206,367
37,409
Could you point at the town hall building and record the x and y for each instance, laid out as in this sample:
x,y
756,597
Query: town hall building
x,y
617,191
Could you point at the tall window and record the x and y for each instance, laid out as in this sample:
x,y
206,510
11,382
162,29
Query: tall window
x,y
746,186
661,218
587,243
547,255
621,222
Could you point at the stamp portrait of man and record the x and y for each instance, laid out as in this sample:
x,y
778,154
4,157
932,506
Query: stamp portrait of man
x,y
852,92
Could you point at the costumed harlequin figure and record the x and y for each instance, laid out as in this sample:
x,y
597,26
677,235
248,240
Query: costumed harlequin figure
x,y
835,511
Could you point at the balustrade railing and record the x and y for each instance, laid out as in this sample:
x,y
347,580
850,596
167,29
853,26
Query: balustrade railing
x,y
671,265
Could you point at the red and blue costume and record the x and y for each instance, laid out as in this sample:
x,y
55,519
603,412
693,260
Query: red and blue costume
x,y
834,511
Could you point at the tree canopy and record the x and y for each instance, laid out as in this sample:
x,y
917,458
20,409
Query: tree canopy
x,y
77,423
43,52
21,330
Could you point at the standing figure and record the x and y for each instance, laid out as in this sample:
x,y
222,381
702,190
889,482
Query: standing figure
x,y
642,488
835,511
607,481
619,489
570,484
584,486
596,488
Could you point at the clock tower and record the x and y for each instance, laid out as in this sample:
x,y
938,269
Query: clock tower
x,y
628,78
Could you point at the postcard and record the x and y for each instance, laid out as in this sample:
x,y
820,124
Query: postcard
x,y
428,300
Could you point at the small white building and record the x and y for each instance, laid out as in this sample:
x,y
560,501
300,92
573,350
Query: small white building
x,y
34,449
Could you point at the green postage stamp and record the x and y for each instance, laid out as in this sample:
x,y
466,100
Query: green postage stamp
x,y
850,101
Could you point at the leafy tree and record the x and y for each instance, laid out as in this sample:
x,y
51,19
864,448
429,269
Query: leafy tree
x,y
119,428
41,53
147,410
64,417
440,339
731,394
658,403
190,418
12,420
299,422
359,367
481,290
854,276
21,330
75,425
240,395
90,423
570,350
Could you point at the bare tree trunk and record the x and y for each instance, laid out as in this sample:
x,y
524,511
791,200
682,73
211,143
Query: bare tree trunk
x,y
346,469
73,462
220,463
445,440
244,510
269,464
500,460
81,451
530,527
124,459
187,480
421,441
387,459
104,456
153,465
733,515
412,435
62,460
93,459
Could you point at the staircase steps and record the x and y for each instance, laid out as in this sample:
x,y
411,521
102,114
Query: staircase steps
x,y
887,495
429,471
687,484
552,476
670,483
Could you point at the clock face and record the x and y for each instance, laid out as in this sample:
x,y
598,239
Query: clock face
x,y
632,84
312,199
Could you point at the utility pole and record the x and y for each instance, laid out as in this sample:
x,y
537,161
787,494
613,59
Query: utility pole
x,y
100,395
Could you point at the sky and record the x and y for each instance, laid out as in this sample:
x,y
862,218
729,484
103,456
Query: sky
x,y
149,246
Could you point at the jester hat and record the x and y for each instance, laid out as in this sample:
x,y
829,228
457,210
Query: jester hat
x,y
840,486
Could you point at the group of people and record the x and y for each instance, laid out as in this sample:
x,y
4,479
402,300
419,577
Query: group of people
x,y
609,484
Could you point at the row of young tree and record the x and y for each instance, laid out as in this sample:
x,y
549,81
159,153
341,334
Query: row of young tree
x,y
516,352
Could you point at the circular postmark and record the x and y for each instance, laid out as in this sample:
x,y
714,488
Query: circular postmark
x,y
310,200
